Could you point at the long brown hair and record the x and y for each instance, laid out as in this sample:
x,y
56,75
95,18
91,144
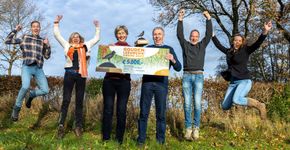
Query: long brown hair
x,y
240,35
232,50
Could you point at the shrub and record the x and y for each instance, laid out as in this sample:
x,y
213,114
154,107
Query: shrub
x,y
278,108
94,87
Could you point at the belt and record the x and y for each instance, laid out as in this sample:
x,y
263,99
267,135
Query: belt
x,y
72,71
194,72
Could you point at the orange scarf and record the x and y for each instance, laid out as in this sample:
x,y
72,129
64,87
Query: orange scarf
x,y
82,59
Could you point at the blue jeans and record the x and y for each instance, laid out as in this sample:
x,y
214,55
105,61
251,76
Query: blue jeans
x,y
236,93
192,83
27,73
159,90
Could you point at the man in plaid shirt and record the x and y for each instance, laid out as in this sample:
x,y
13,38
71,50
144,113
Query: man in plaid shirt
x,y
34,48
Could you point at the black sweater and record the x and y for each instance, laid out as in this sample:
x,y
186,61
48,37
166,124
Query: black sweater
x,y
193,55
237,62
163,79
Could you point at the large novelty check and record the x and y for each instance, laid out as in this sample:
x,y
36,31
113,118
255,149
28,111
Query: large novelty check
x,y
133,60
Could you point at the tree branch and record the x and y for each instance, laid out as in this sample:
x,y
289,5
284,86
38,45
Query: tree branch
x,y
220,22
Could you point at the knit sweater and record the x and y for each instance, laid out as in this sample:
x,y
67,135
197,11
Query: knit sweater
x,y
237,62
193,54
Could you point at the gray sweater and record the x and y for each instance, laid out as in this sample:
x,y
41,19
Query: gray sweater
x,y
193,55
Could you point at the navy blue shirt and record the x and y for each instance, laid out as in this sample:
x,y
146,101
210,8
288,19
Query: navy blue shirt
x,y
163,79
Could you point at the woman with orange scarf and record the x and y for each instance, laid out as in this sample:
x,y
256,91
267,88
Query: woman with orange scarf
x,y
77,54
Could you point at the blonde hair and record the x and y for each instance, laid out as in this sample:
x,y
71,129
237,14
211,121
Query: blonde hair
x,y
82,40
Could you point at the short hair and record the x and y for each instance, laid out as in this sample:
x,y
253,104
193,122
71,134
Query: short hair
x,y
156,28
73,34
119,28
34,21
194,30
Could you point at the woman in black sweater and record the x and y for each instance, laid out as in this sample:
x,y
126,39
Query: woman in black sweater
x,y
237,57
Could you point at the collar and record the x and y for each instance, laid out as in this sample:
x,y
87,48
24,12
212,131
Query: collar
x,y
35,36
121,43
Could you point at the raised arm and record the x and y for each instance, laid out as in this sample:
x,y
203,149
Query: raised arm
x,y
11,39
219,45
57,33
46,49
208,31
262,37
180,34
96,38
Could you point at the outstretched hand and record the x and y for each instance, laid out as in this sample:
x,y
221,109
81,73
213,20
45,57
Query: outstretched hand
x,y
58,18
207,15
97,23
181,15
18,27
45,41
267,27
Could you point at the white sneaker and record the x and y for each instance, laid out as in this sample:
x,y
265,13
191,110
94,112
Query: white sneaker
x,y
188,133
196,133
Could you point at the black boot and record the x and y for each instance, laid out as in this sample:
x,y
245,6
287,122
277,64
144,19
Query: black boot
x,y
28,100
15,113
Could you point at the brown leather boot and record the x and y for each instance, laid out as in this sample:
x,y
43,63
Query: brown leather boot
x,y
78,131
258,105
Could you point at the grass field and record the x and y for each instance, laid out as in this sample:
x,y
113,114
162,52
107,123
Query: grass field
x,y
239,132
238,128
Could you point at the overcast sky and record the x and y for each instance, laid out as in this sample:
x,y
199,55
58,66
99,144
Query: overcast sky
x,y
137,15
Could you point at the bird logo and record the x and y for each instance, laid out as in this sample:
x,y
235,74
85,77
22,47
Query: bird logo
x,y
109,56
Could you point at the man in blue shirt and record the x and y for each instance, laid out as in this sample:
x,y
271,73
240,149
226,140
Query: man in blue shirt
x,y
156,86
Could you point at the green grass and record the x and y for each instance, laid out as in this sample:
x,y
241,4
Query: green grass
x,y
19,135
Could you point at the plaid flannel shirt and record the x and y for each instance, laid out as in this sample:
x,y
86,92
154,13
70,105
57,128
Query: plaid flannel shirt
x,y
33,48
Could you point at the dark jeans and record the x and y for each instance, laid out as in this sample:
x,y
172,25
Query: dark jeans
x,y
71,79
122,88
159,90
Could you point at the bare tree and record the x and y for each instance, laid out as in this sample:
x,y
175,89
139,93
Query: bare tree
x,y
245,17
12,13
236,13
279,11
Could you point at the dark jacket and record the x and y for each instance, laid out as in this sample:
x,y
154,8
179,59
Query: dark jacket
x,y
193,55
237,62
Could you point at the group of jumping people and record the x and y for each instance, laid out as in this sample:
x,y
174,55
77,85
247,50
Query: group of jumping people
x,y
77,55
